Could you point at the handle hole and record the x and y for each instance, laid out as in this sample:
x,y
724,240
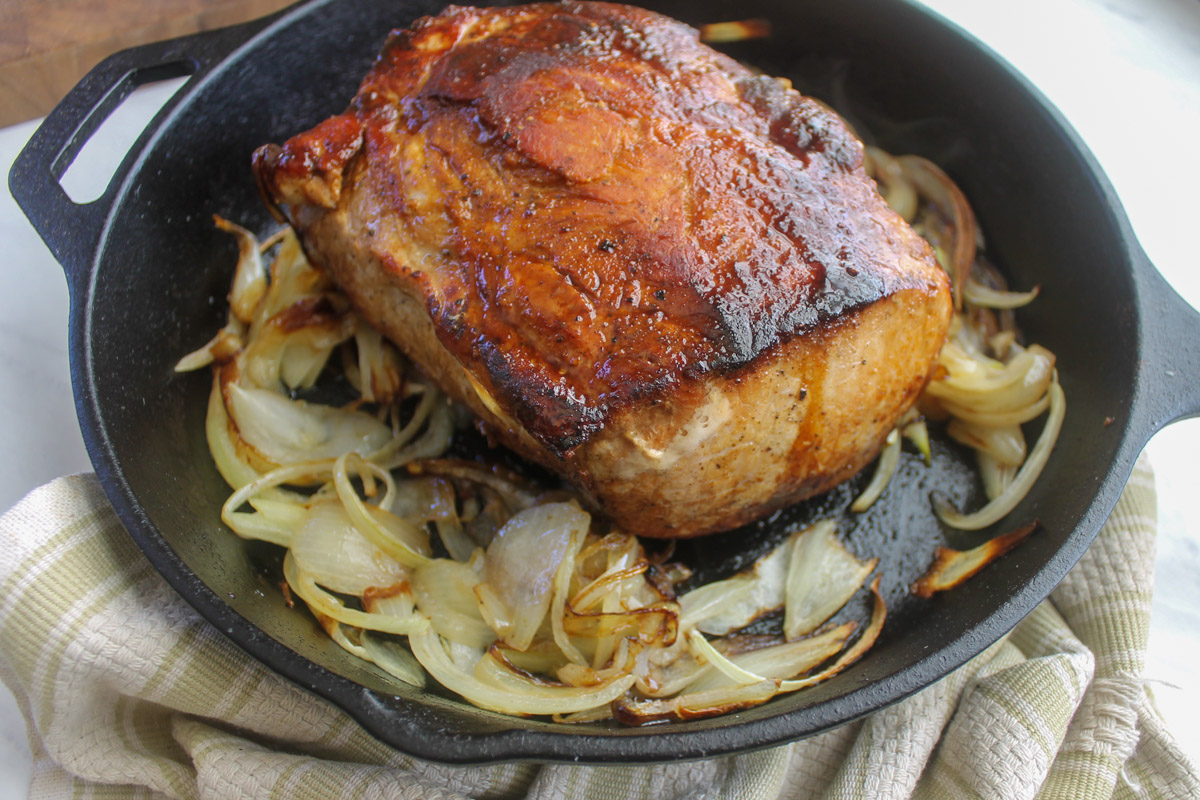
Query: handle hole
x,y
95,163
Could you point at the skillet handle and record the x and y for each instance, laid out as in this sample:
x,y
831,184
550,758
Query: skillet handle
x,y
72,230
1169,382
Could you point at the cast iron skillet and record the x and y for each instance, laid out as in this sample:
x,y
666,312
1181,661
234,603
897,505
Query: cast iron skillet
x,y
148,275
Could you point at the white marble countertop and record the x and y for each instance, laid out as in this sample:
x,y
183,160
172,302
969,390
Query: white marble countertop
x,y
1102,62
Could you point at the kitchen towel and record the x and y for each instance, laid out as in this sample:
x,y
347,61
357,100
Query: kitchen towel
x,y
128,693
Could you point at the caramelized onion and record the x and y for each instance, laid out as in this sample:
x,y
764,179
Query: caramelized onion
x,y
320,601
1007,500
851,654
285,431
986,297
327,546
951,568
444,590
822,576
935,186
885,468
250,279
520,567
1003,443
394,535
896,189
393,658
493,686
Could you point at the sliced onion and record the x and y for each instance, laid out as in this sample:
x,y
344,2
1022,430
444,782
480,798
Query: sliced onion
x,y
986,297
623,661
225,345
611,584
520,566
1024,480
292,279
614,551
379,372
274,520
294,346
897,191
996,477
422,500
394,535
723,606
963,355
541,658
444,591
458,544
286,430
944,193
885,468
328,547
1002,343
425,407
301,364
299,474
667,671
572,674
711,703
322,602
777,662
951,568
250,279
651,625
822,576
491,670
236,470
917,432
597,714
712,599
255,526
289,513
1021,382
394,659
997,419
433,442
783,661
393,601
853,653
275,238
513,695
337,632
558,606
1005,444
731,671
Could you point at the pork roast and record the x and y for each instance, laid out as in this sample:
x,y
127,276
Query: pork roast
x,y
641,264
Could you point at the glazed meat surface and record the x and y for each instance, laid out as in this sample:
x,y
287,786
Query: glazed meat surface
x,y
641,264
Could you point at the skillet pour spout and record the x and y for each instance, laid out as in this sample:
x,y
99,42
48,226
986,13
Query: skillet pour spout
x,y
147,276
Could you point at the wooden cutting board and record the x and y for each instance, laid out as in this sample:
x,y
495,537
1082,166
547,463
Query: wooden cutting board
x,y
46,46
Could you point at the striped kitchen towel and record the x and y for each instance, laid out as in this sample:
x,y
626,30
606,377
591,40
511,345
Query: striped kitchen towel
x,y
128,693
